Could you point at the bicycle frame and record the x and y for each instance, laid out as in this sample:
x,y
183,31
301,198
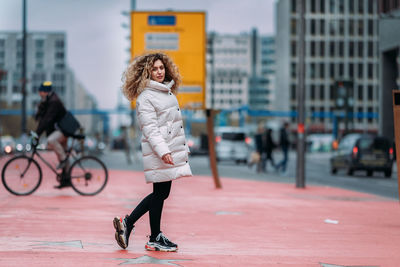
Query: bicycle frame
x,y
68,154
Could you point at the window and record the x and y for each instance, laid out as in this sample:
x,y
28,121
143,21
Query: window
x,y
351,26
294,6
360,49
312,92
361,6
370,115
321,70
293,92
332,27
351,49
59,44
312,48
370,49
59,55
39,55
322,27
351,6
313,31
341,49
312,70
60,66
370,71
58,77
313,6
293,26
341,70
370,92
360,70
2,42
39,43
371,4
351,70
332,92
341,27
341,6
332,70
370,27
331,6
360,27
332,49
293,70
360,93
293,48
322,6
321,92
360,114
322,48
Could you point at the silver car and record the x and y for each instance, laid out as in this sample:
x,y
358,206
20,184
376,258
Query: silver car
x,y
231,144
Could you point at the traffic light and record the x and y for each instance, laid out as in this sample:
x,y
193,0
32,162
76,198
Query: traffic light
x,y
344,95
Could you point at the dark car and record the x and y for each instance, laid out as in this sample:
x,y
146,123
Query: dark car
x,y
363,152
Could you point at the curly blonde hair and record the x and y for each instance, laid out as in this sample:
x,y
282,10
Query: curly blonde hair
x,y
138,73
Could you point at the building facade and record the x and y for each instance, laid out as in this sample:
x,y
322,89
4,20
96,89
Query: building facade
x,y
240,71
341,44
45,59
389,52
46,54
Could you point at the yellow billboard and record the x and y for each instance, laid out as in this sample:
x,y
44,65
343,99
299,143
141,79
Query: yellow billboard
x,y
181,35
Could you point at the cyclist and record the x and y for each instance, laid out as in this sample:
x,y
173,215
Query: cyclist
x,y
50,111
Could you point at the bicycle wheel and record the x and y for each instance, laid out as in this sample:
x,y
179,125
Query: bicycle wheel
x,y
88,175
21,175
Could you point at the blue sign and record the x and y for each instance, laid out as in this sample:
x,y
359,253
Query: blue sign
x,y
161,20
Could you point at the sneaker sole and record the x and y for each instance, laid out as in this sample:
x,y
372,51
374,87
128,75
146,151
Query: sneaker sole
x,y
160,248
118,229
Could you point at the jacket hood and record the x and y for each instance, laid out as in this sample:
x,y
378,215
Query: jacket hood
x,y
160,86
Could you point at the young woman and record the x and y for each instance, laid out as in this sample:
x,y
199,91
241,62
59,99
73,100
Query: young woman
x,y
153,80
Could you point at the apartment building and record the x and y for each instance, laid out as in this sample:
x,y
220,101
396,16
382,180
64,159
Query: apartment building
x,y
240,71
46,59
341,43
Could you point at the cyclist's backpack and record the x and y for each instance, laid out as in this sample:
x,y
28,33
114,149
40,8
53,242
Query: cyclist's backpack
x,y
68,125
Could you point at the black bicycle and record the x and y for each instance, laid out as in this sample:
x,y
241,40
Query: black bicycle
x,y
22,174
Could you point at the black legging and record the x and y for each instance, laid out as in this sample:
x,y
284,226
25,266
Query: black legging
x,y
154,204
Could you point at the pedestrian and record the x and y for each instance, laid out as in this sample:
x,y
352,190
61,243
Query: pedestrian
x,y
269,147
257,155
284,144
153,80
50,111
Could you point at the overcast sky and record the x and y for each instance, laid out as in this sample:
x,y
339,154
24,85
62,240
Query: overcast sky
x,y
97,43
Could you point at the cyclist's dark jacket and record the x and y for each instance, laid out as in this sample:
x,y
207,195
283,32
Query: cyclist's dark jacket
x,y
49,112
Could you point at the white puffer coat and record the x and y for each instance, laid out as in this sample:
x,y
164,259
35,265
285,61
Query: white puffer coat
x,y
160,120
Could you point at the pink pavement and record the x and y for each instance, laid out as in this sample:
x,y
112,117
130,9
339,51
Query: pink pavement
x,y
246,223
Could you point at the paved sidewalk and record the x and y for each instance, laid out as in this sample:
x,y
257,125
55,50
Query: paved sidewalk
x,y
247,223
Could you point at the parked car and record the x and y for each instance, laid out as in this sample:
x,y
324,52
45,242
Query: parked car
x,y
231,144
363,152
319,142
7,144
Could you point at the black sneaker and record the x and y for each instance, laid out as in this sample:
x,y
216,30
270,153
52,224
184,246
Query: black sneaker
x,y
63,183
161,243
122,231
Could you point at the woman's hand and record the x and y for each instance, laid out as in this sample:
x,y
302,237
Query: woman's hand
x,y
167,158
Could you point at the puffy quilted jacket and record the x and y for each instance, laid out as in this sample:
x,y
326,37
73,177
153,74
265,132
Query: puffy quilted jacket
x,y
160,120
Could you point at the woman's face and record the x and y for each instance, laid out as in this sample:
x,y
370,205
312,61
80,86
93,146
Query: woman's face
x,y
158,71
